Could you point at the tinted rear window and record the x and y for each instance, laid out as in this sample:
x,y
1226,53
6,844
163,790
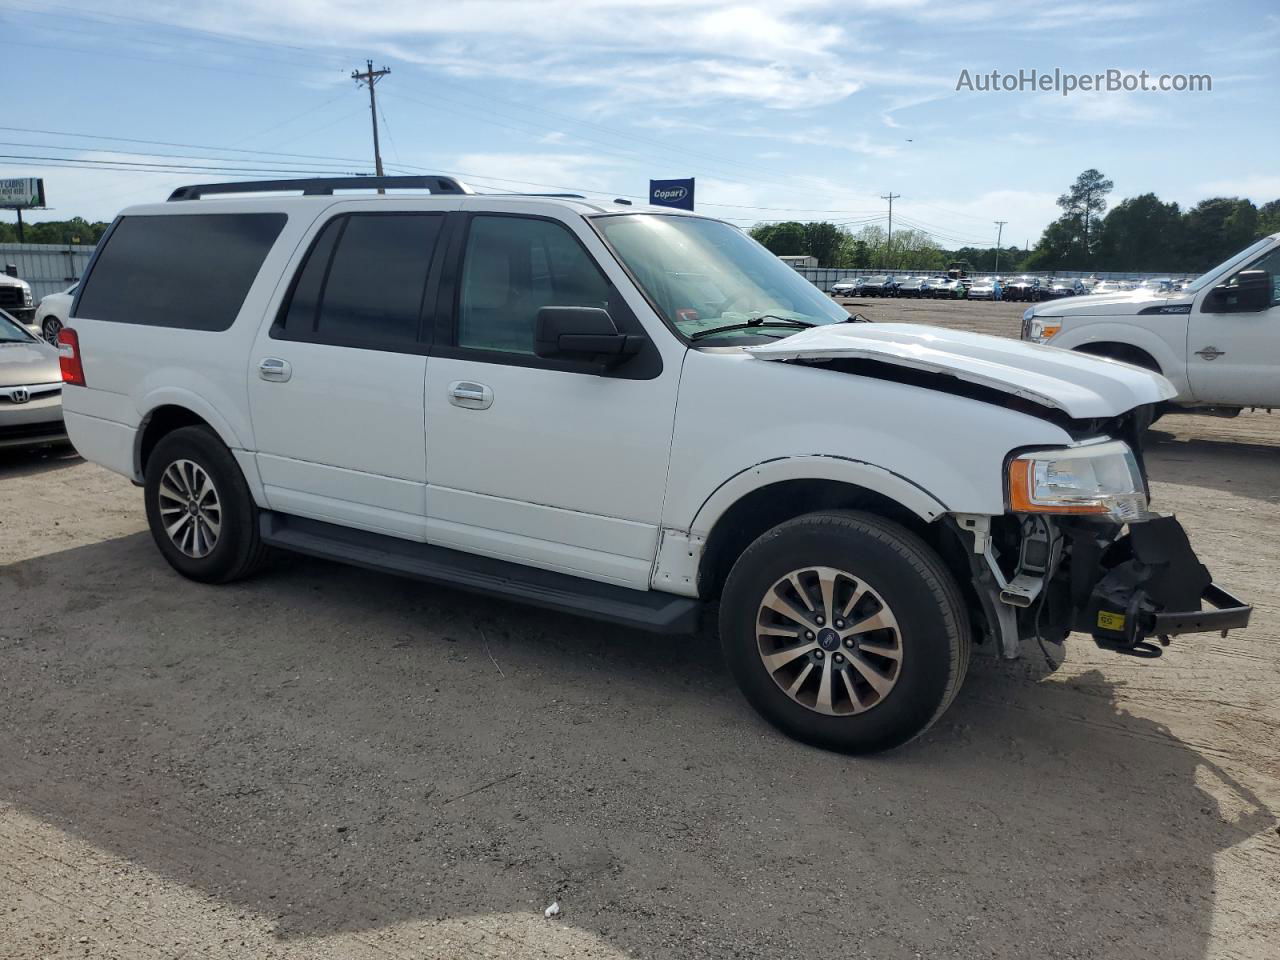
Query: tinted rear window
x,y
188,271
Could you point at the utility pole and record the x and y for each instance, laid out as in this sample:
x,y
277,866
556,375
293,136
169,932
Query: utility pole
x,y
999,233
370,77
888,245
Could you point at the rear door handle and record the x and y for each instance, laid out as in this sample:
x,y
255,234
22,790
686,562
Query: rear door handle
x,y
471,395
273,368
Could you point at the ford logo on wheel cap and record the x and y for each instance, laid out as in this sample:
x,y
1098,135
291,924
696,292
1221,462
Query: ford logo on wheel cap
x,y
19,394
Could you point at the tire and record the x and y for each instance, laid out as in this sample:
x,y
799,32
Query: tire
x,y
49,329
899,574
173,473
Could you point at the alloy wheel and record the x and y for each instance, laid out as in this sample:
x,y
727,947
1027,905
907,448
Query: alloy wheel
x,y
190,508
829,641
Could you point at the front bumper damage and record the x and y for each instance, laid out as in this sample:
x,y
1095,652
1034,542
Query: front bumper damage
x,y
1042,577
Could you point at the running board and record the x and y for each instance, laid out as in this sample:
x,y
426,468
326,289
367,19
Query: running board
x,y
648,610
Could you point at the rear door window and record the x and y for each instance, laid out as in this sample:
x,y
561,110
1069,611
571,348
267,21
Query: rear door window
x,y
190,271
364,281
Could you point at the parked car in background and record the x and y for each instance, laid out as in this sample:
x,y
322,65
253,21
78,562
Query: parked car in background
x,y
52,312
1217,341
221,354
1025,289
30,387
882,285
1064,288
1157,285
849,287
984,288
1106,286
15,298
945,288
911,287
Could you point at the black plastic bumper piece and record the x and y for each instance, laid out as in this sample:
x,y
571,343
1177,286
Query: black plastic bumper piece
x,y
648,610
1228,613
1155,586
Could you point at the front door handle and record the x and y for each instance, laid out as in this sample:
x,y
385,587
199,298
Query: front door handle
x,y
273,368
471,395
1210,353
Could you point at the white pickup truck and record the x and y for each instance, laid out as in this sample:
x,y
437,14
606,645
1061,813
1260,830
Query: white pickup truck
x,y
628,413
1217,341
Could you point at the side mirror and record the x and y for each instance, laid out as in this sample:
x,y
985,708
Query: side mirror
x,y
1252,292
582,333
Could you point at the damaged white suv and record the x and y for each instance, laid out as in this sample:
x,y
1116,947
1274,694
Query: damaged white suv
x,y
625,413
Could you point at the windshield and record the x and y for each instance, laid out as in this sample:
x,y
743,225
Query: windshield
x,y
11,331
1244,254
702,274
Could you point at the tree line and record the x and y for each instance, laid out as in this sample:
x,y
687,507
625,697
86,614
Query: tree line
x,y
1142,234
75,230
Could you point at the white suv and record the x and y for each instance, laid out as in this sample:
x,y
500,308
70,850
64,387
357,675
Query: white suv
x,y
626,413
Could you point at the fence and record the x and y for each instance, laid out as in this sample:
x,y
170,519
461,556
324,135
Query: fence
x,y
48,267
824,277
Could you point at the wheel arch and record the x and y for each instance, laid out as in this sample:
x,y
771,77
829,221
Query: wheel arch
x,y
172,413
770,493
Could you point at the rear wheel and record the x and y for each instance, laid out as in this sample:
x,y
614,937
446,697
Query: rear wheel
x,y
199,509
845,631
49,329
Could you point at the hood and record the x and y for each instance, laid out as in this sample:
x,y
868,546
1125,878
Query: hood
x,y
1081,386
27,363
8,281
1124,304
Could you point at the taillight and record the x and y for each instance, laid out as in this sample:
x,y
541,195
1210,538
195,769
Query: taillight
x,y
69,357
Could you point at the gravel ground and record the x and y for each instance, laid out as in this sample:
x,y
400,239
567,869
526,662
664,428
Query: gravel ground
x,y
325,762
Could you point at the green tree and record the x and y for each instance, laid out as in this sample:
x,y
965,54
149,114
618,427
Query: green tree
x,y
1269,218
1085,201
1061,246
785,239
1214,229
823,240
1141,233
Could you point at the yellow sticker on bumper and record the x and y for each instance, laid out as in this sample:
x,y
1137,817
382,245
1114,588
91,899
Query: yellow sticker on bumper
x,y
1110,621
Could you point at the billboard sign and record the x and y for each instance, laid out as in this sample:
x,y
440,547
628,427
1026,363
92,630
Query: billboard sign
x,y
21,193
672,193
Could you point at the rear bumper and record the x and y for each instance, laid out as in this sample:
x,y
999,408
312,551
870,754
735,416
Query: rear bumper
x,y
105,442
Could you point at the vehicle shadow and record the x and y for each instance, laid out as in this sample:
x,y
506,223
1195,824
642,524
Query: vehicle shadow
x,y
30,461
345,751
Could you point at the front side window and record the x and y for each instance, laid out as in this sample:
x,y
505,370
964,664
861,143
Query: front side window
x,y
704,274
1269,262
512,268
364,280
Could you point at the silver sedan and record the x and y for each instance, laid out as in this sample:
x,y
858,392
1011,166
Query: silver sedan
x,y
30,388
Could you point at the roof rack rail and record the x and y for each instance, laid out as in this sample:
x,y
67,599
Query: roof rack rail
x,y
323,186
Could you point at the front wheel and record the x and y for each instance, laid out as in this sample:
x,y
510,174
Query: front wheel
x,y
845,631
49,329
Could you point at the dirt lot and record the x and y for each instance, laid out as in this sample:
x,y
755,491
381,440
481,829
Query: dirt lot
x,y
324,762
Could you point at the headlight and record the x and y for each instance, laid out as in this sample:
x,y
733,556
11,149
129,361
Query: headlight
x,y
1041,329
26,298
1096,478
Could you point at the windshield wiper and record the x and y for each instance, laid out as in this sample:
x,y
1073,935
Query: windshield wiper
x,y
765,319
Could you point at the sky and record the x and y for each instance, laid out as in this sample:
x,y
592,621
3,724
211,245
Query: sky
x,y
790,109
